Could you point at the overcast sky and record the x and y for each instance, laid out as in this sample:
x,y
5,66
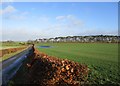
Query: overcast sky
x,y
31,20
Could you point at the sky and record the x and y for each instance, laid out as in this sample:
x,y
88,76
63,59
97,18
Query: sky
x,y
22,21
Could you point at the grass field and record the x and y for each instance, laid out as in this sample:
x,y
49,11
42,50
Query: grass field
x,y
6,47
101,58
9,45
7,56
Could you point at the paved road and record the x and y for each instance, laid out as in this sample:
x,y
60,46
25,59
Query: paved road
x,y
11,66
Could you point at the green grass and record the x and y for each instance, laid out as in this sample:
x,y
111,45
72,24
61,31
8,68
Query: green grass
x,y
9,45
101,58
6,47
7,56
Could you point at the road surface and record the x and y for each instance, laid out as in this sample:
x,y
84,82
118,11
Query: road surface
x,y
11,65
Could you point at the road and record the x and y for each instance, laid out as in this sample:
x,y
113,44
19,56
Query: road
x,y
10,66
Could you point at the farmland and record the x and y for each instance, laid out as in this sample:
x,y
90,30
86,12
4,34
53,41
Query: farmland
x,y
101,58
8,45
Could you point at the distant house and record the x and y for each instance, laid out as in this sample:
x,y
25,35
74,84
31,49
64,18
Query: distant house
x,y
97,38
